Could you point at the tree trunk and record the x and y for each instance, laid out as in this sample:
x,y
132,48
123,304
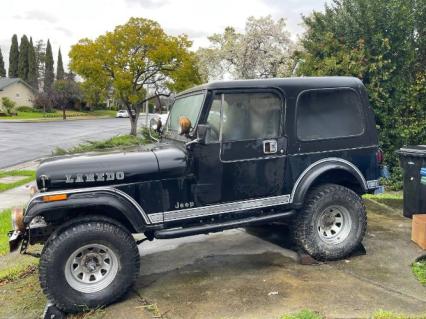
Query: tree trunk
x,y
64,116
133,117
133,125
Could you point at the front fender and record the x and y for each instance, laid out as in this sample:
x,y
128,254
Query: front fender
x,y
315,170
111,201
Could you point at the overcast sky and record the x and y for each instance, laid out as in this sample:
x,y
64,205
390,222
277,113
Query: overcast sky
x,y
65,22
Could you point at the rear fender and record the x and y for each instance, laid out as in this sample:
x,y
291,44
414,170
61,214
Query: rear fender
x,y
315,170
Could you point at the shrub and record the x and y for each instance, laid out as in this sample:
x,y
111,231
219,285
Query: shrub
x,y
24,108
395,181
8,104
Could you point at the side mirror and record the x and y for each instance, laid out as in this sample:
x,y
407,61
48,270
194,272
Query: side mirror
x,y
184,125
154,126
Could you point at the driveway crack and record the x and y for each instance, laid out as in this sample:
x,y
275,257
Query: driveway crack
x,y
381,286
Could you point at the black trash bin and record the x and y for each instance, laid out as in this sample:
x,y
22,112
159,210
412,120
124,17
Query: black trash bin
x,y
413,163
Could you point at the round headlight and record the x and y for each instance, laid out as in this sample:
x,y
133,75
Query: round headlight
x,y
18,219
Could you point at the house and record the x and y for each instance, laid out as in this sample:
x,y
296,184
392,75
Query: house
x,y
17,90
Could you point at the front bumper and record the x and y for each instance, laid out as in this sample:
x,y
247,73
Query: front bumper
x,y
15,240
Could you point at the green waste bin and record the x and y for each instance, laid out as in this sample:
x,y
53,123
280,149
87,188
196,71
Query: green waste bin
x,y
413,163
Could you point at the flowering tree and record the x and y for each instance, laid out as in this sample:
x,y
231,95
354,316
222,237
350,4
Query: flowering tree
x,y
264,50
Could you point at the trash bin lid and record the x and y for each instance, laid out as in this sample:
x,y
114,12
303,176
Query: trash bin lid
x,y
413,150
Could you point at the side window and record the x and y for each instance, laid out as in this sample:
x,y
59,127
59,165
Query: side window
x,y
213,119
325,114
248,116
188,106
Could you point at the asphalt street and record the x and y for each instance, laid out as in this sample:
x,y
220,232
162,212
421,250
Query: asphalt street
x,y
21,142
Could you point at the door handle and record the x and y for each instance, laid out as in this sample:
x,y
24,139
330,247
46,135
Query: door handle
x,y
270,147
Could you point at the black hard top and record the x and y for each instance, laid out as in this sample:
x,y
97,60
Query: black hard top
x,y
287,84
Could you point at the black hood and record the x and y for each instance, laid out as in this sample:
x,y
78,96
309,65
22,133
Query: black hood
x,y
96,170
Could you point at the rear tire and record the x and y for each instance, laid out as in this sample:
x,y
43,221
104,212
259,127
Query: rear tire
x,y
88,265
332,222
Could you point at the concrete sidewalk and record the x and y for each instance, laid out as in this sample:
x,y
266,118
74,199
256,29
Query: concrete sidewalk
x,y
19,196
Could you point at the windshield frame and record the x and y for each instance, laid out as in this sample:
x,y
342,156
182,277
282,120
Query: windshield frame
x,y
167,133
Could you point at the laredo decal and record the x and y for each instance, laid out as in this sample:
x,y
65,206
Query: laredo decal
x,y
94,177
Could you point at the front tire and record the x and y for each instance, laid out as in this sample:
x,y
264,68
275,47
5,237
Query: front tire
x,y
332,222
88,265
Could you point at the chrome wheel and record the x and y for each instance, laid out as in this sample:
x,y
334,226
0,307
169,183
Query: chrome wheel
x,y
91,268
334,224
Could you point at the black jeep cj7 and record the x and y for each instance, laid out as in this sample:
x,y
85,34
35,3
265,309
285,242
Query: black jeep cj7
x,y
231,154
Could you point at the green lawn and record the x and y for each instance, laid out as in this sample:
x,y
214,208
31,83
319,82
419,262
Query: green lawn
x,y
15,270
110,113
30,175
419,270
386,195
393,199
5,226
114,143
57,114
303,314
380,314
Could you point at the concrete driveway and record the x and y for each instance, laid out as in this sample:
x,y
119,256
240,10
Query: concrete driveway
x,y
252,274
21,142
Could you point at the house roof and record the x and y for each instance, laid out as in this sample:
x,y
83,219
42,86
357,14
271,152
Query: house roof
x,y
5,82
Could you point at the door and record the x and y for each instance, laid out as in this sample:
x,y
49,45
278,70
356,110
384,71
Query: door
x,y
245,154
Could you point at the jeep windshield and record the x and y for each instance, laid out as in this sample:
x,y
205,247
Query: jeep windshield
x,y
189,106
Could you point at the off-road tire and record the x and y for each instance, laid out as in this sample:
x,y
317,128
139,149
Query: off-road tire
x,y
305,229
63,243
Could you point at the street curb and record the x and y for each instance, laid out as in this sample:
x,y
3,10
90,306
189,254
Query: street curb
x,y
24,165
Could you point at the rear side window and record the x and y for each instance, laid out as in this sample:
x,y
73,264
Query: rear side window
x,y
326,114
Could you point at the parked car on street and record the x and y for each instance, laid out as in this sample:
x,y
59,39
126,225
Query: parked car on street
x,y
231,154
122,113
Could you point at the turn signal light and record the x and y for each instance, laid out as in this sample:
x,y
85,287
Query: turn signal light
x,y
54,198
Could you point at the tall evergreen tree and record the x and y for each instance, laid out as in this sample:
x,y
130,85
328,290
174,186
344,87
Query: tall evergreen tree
x,y
49,73
40,54
2,69
60,74
14,57
23,58
32,66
